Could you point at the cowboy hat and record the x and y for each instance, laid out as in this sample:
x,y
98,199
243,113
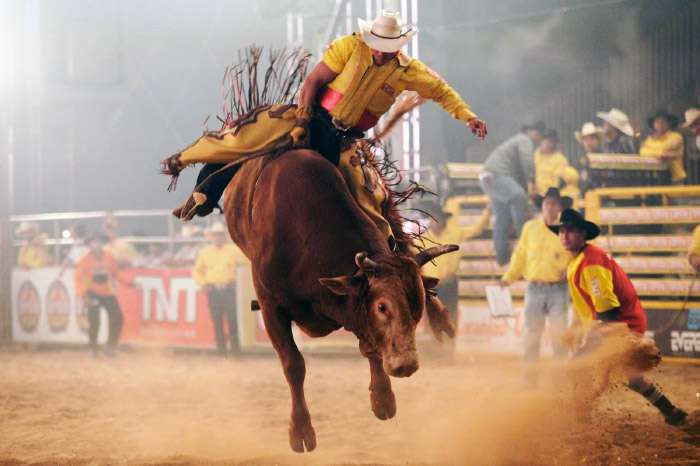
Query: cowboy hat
x,y
572,218
618,119
691,116
190,231
551,134
565,201
27,229
588,129
672,119
217,228
384,34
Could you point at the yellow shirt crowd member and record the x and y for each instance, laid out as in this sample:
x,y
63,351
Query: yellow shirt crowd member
x,y
452,233
670,142
548,170
363,91
217,266
695,248
33,256
539,255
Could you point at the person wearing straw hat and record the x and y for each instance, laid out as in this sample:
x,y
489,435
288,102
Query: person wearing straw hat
x,y
692,123
601,290
358,80
540,258
33,254
618,133
215,271
590,137
666,145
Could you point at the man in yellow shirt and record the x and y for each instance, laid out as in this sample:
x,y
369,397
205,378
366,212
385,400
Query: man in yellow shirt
x,y
33,254
445,229
215,271
666,145
358,80
542,260
692,123
694,252
549,163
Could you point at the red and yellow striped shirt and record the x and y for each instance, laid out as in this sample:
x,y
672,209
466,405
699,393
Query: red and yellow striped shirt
x,y
598,285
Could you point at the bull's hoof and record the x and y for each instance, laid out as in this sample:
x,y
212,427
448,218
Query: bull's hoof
x,y
383,404
302,436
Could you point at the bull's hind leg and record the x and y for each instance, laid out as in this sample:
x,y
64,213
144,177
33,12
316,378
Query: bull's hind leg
x,y
381,397
279,329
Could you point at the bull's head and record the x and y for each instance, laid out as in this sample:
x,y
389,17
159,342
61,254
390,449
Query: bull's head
x,y
390,295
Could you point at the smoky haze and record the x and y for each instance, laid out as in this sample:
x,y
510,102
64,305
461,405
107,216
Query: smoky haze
x,y
97,93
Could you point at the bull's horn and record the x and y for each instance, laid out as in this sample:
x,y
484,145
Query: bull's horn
x,y
366,264
429,254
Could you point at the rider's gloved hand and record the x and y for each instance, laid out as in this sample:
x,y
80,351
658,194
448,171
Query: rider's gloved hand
x,y
300,132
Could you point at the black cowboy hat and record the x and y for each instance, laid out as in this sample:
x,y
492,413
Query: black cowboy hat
x,y
572,218
565,201
551,134
539,126
672,119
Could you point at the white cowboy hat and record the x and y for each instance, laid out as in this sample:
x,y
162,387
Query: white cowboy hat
x,y
26,229
190,231
588,129
217,227
691,116
618,119
384,34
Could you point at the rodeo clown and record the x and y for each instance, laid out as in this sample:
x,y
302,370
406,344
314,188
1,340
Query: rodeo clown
x,y
358,80
600,289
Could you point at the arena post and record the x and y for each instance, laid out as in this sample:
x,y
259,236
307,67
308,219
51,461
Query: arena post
x,y
6,261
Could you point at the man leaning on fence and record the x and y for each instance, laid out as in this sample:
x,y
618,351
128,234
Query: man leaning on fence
x,y
215,272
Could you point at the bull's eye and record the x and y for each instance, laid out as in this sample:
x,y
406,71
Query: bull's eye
x,y
382,308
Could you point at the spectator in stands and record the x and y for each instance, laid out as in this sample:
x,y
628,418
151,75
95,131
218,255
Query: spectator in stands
x,y
78,249
186,254
155,257
571,188
694,252
692,122
618,133
601,290
666,145
124,252
549,163
33,254
508,176
590,137
445,229
215,272
94,284
542,260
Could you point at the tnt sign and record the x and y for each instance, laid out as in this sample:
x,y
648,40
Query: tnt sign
x,y
161,305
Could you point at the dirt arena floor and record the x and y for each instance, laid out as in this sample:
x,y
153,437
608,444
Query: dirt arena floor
x,y
159,408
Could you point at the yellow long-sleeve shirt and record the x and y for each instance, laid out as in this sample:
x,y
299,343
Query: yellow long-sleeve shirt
x,y
363,87
539,255
548,170
217,266
33,256
695,245
669,142
445,267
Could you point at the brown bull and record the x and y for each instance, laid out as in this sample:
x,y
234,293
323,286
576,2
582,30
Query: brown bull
x,y
319,261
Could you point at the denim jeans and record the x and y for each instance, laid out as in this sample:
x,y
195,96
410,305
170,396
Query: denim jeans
x,y
509,206
541,301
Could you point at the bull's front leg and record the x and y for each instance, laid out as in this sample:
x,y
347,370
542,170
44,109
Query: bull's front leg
x,y
381,396
279,329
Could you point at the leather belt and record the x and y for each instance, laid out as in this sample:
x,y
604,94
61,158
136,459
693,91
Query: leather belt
x,y
546,284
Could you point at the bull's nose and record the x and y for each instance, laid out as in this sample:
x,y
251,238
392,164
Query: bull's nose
x,y
401,366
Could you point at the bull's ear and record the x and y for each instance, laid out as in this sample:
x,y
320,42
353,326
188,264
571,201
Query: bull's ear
x,y
342,285
429,282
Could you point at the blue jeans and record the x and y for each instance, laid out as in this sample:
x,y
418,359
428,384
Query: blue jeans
x,y
541,301
509,206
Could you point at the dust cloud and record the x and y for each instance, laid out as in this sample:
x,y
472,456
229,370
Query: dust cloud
x,y
160,408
